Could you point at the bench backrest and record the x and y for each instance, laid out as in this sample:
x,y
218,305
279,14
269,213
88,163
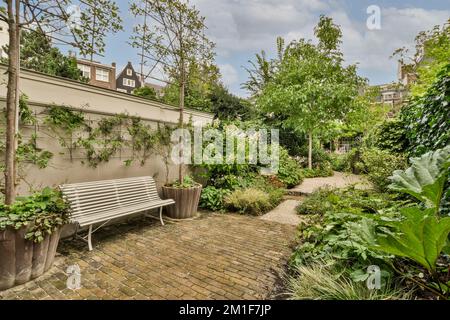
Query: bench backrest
x,y
91,198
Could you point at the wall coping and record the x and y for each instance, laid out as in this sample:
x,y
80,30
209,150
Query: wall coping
x,y
73,84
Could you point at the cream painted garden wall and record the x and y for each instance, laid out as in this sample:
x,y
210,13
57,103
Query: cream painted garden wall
x,y
96,103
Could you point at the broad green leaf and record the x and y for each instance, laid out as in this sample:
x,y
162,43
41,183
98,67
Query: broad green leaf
x,y
420,236
426,178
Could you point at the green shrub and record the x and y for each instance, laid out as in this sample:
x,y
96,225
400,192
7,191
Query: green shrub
x,y
380,164
345,200
353,162
251,201
290,171
389,135
426,117
319,156
339,162
213,198
326,171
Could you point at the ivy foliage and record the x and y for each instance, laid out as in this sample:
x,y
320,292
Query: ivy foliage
x,y
427,118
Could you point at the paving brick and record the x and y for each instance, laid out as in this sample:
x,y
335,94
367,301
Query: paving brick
x,y
213,257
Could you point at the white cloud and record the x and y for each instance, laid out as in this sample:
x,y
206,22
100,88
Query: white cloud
x,y
372,48
241,25
230,75
241,28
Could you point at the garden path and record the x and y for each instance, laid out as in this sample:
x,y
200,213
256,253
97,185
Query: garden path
x,y
338,180
286,213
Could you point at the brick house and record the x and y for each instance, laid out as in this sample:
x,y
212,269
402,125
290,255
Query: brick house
x,y
99,75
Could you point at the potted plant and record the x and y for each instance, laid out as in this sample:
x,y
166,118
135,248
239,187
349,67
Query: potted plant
x,y
30,230
186,194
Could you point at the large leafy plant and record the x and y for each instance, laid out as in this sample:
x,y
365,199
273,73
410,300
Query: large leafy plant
x,y
43,213
421,234
426,178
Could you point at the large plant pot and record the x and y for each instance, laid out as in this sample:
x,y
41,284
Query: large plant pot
x,y
23,260
186,201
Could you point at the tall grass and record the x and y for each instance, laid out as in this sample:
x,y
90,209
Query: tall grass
x,y
323,282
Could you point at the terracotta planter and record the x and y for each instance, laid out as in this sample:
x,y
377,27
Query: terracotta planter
x,y
186,201
23,260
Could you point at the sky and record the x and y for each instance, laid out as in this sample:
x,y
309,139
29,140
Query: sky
x,y
242,28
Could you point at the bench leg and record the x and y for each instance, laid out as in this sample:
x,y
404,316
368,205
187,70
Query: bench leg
x,y
160,215
90,238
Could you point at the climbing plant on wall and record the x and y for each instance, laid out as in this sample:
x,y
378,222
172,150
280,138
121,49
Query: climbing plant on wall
x,y
28,151
64,122
108,137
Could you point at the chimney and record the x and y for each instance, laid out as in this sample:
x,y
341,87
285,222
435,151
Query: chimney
x,y
114,65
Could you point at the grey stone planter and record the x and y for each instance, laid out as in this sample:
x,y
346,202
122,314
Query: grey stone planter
x,y
186,201
23,260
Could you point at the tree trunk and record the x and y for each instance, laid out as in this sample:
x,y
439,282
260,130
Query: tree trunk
x,y
94,25
144,38
182,88
11,105
310,149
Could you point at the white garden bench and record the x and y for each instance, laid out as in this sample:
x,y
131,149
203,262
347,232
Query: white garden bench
x,y
99,202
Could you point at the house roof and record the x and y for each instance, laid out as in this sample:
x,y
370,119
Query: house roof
x,y
95,63
128,66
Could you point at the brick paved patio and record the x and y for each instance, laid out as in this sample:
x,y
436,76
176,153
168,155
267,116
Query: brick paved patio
x,y
214,257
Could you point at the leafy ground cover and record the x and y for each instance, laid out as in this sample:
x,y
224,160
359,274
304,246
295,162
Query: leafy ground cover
x,y
406,237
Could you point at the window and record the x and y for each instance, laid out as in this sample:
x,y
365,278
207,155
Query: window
x,y
85,70
122,90
129,72
102,75
129,83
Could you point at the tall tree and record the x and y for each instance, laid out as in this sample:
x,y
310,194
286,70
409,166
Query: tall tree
x,y
262,70
201,80
48,17
312,88
175,40
227,106
98,18
431,54
37,53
